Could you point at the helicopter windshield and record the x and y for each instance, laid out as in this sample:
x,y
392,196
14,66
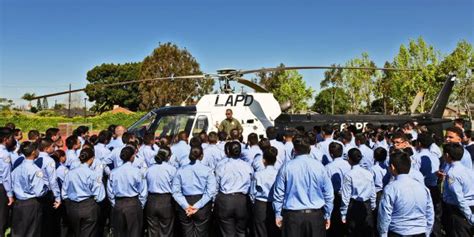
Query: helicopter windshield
x,y
171,125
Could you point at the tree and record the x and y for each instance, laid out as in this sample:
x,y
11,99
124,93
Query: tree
x,y
106,97
323,101
39,106
359,84
166,61
404,85
28,96
45,103
293,89
272,80
5,104
332,78
383,91
460,62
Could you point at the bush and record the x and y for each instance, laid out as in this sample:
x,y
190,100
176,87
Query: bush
x,y
29,122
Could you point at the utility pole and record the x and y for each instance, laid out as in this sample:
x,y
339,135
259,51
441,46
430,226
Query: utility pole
x,y
69,103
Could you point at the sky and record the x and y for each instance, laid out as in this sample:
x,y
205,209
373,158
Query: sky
x,y
46,45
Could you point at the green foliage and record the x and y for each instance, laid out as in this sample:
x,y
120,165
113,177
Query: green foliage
x,y
272,80
404,85
39,106
359,84
5,104
28,96
47,113
169,60
105,98
28,122
327,97
293,88
458,63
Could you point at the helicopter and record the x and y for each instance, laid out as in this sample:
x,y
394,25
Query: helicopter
x,y
259,110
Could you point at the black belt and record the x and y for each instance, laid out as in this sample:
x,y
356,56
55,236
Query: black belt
x,y
237,193
126,198
159,194
305,211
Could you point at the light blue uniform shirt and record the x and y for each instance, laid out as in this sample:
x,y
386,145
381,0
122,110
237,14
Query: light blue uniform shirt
x,y
316,153
72,159
303,184
345,150
49,170
262,184
281,152
212,155
159,178
61,172
28,181
82,183
99,168
116,142
381,175
257,163
288,151
148,153
194,179
5,169
248,155
101,151
233,176
416,175
466,159
181,151
429,165
127,181
359,185
336,171
324,149
459,189
367,157
405,208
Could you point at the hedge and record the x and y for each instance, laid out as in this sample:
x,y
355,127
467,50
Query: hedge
x,y
29,122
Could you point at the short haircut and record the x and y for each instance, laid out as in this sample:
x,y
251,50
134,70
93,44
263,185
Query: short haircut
x,y
195,141
44,143
71,141
354,155
271,133
33,135
81,130
269,155
455,130
128,137
459,121
454,150
127,153
57,154
401,161
149,139
327,129
335,149
301,144
5,133
252,139
401,136
86,154
50,132
104,137
182,136
234,134
311,137
222,136
360,138
264,144
425,140
380,154
16,131
212,138
233,149
346,136
27,148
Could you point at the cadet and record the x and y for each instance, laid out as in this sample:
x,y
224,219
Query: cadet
x,y
367,153
347,139
229,123
84,189
194,187
336,171
272,137
458,193
59,157
212,153
127,192
324,145
406,208
100,149
380,171
159,209
117,138
28,186
52,199
358,197
181,149
289,135
149,149
401,141
6,195
303,208
248,155
233,177
257,163
429,166
454,135
260,194
73,148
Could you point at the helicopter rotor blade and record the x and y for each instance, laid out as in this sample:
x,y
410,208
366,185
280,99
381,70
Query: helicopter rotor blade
x,y
243,72
251,84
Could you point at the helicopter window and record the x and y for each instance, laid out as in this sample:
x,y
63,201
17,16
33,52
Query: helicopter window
x,y
201,125
250,121
171,125
144,123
